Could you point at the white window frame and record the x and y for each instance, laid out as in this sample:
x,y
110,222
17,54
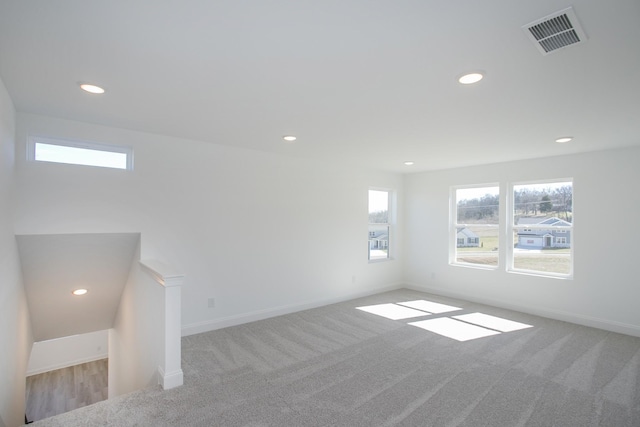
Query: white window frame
x,y
513,228
95,146
388,224
454,225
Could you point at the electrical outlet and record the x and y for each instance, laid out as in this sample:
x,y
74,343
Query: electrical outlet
x,y
211,303
353,279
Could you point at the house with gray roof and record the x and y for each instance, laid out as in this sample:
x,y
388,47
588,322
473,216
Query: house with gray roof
x,y
467,238
379,239
538,237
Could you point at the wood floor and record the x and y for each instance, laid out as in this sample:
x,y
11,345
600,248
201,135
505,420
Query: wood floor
x,y
63,390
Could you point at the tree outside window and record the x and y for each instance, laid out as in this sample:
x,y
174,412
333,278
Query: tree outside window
x,y
475,223
542,228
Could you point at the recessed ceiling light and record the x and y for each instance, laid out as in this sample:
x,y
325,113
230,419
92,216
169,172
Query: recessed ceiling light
x,y
470,78
91,88
79,292
564,139
289,138
408,163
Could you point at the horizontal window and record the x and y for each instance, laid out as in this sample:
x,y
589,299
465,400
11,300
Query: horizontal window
x,y
52,150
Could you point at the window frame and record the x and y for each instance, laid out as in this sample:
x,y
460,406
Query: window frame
x,y
88,145
512,228
454,225
388,224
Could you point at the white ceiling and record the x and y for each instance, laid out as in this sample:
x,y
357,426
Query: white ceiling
x,y
360,82
54,265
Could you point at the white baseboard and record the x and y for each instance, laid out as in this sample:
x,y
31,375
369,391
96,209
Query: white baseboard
x,y
67,364
239,319
170,379
565,316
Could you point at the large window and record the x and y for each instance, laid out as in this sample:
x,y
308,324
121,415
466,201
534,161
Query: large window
x,y
80,153
379,224
541,226
475,225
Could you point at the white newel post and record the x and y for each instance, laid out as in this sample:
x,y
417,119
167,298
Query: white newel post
x,y
170,373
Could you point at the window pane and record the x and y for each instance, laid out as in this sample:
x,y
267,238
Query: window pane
x,y
378,207
378,241
79,156
543,227
477,216
479,205
534,203
477,245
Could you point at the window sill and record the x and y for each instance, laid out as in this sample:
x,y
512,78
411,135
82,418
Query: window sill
x,y
376,261
542,275
475,266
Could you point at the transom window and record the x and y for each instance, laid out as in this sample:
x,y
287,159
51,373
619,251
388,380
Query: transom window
x,y
53,150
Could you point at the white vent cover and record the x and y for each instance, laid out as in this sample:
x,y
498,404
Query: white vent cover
x,y
555,31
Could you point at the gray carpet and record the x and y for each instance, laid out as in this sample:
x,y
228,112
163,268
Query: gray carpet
x,y
339,366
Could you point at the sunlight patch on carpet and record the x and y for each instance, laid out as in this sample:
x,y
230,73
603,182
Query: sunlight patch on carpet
x,y
462,327
429,306
454,329
393,311
493,322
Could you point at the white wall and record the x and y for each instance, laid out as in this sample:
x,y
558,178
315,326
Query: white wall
x,y
68,351
15,329
260,233
604,291
136,341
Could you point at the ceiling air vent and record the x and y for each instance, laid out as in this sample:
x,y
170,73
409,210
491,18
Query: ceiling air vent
x,y
555,31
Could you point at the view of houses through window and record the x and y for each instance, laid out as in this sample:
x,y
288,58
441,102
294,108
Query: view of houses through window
x,y
475,225
540,227
379,224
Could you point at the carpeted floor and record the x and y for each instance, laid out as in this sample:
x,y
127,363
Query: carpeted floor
x,y
341,366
